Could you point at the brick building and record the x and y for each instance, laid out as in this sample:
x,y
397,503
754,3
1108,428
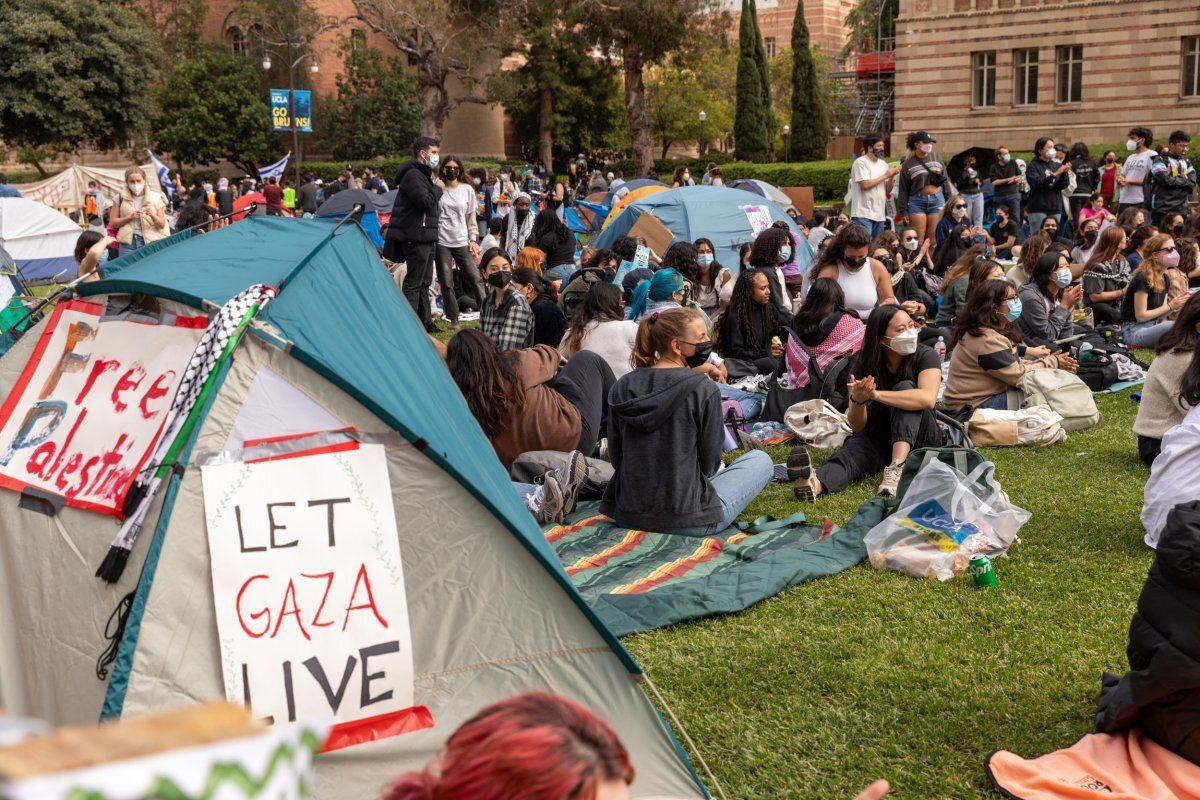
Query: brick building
x,y
825,19
988,72
472,130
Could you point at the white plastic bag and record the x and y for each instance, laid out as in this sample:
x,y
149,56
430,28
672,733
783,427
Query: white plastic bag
x,y
817,423
945,518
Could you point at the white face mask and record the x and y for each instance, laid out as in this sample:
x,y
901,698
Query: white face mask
x,y
904,343
434,160
1130,145
1062,277
475,181
925,148
137,188
911,244
958,213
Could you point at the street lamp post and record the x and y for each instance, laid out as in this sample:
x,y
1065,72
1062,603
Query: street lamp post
x,y
703,117
787,132
314,69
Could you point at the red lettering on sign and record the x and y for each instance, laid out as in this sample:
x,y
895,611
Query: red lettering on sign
x,y
316,620
290,591
256,615
125,383
72,465
40,457
160,387
365,582
99,367
83,477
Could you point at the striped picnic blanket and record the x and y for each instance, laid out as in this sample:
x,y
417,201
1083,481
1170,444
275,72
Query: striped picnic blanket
x,y
638,580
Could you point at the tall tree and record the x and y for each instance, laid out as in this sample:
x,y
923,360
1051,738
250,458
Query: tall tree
x,y
750,122
869,22
211,109
760,57
696,78
834,91
374,112
641,32
810,123
451,44
72,72
175,24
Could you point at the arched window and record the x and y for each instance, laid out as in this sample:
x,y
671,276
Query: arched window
x,y
237,42
254,39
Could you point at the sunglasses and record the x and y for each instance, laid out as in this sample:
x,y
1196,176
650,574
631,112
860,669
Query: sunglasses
x,y
1166,250
910,238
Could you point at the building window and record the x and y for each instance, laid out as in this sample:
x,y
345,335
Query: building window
x,y
1189,85
983,79
237,42
1025,77
769,46
1070,73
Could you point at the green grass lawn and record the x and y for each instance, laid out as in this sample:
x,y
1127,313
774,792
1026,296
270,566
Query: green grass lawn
x,y
869,674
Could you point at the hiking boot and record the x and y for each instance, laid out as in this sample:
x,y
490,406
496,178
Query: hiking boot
x,y
891,479
800,473
570,479
546,502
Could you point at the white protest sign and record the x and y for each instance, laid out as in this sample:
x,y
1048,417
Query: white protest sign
x,y
308,588
759,218
91,402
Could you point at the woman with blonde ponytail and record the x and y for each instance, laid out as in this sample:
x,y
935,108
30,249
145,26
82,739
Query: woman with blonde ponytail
x,y
665,436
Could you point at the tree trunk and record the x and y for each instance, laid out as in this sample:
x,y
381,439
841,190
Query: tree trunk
x,y
666,145
635,113
545,134
433,99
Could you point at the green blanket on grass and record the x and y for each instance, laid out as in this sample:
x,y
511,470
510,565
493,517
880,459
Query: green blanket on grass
x,y
638,581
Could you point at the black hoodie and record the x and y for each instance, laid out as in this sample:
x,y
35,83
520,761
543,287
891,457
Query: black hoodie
x,y
664,441
1161,691
415,210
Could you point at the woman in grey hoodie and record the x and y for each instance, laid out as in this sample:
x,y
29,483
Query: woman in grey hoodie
x,y
665,436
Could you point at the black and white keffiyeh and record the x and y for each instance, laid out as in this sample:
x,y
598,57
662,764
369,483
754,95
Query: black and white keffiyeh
x,y
222,328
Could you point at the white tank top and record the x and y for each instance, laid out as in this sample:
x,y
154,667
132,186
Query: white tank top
x,y
862,295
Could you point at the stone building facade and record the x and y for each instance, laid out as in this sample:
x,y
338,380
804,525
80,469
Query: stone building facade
x,y
990,72
472,130
825,18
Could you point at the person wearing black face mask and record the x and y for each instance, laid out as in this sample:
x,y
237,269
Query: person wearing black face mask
x,y
665,435
864,281
520,226
506,317
870,181
1004,233
458,236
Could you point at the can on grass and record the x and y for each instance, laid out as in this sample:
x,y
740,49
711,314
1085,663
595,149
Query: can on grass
x,y
981,570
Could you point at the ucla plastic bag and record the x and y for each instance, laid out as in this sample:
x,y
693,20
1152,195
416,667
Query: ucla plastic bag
x,y
945,518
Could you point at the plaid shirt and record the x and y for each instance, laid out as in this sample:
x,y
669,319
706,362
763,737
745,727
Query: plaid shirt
x,y
510,325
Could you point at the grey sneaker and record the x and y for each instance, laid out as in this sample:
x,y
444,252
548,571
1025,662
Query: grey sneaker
x,y
891,480
800,473
546,503
570,479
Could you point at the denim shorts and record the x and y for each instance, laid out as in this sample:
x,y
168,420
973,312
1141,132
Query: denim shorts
x,y
927,203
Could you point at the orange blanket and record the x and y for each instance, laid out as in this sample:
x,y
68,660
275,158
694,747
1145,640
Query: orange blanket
x,y
1124,766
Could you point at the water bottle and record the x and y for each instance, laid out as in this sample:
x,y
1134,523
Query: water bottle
x,y
940,348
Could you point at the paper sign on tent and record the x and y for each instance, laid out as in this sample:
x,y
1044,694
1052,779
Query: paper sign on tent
x,y
759,218
308,587
658,237
91,402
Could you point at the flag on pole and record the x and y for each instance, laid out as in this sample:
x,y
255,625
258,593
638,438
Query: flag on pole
x,y
164,174
275,170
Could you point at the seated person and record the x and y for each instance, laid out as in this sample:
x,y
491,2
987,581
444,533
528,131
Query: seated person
x,y
825,327
524,402
1106,273
956,245
909,293
954,287
865,282
1004,233
1160,408
91,250
1033,249
745,331
1095,210
714,283
1145,308
1135,240
893,389
772,251
956,216
988,354
1173,476
1089,234
1047,301
665,436
599,325
506,317
665,289
549,322
530,258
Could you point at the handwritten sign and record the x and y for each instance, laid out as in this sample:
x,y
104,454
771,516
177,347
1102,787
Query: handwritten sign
x,y
308,587
91,402
759,218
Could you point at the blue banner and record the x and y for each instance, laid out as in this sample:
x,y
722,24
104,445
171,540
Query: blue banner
x,y
302,110
281,119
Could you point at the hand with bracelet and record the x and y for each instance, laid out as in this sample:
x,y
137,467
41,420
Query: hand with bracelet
x,y
862,392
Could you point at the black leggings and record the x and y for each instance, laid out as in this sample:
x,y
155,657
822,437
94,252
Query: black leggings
x,y
862,455
1148,449
585,382
1105,313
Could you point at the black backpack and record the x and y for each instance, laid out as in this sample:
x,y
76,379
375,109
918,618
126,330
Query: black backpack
x,y
823,384
1099,371
578,286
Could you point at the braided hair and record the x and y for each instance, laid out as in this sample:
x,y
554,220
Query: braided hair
x,y
742,310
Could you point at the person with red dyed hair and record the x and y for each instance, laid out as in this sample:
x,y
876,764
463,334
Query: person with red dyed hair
x,y
535,746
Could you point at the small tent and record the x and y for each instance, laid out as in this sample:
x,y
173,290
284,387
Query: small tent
x,y
488,610
762,188
39,239
373,204
729,217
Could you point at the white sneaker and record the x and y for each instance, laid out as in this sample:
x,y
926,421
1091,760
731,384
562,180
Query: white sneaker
x,y
891,480
570,478
546,502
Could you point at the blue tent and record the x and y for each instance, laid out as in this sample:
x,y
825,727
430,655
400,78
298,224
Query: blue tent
x,y
628,186
714,212
491,610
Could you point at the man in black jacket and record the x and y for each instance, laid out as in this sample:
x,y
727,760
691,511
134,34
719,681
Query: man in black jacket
x,y
412,231
1174,179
